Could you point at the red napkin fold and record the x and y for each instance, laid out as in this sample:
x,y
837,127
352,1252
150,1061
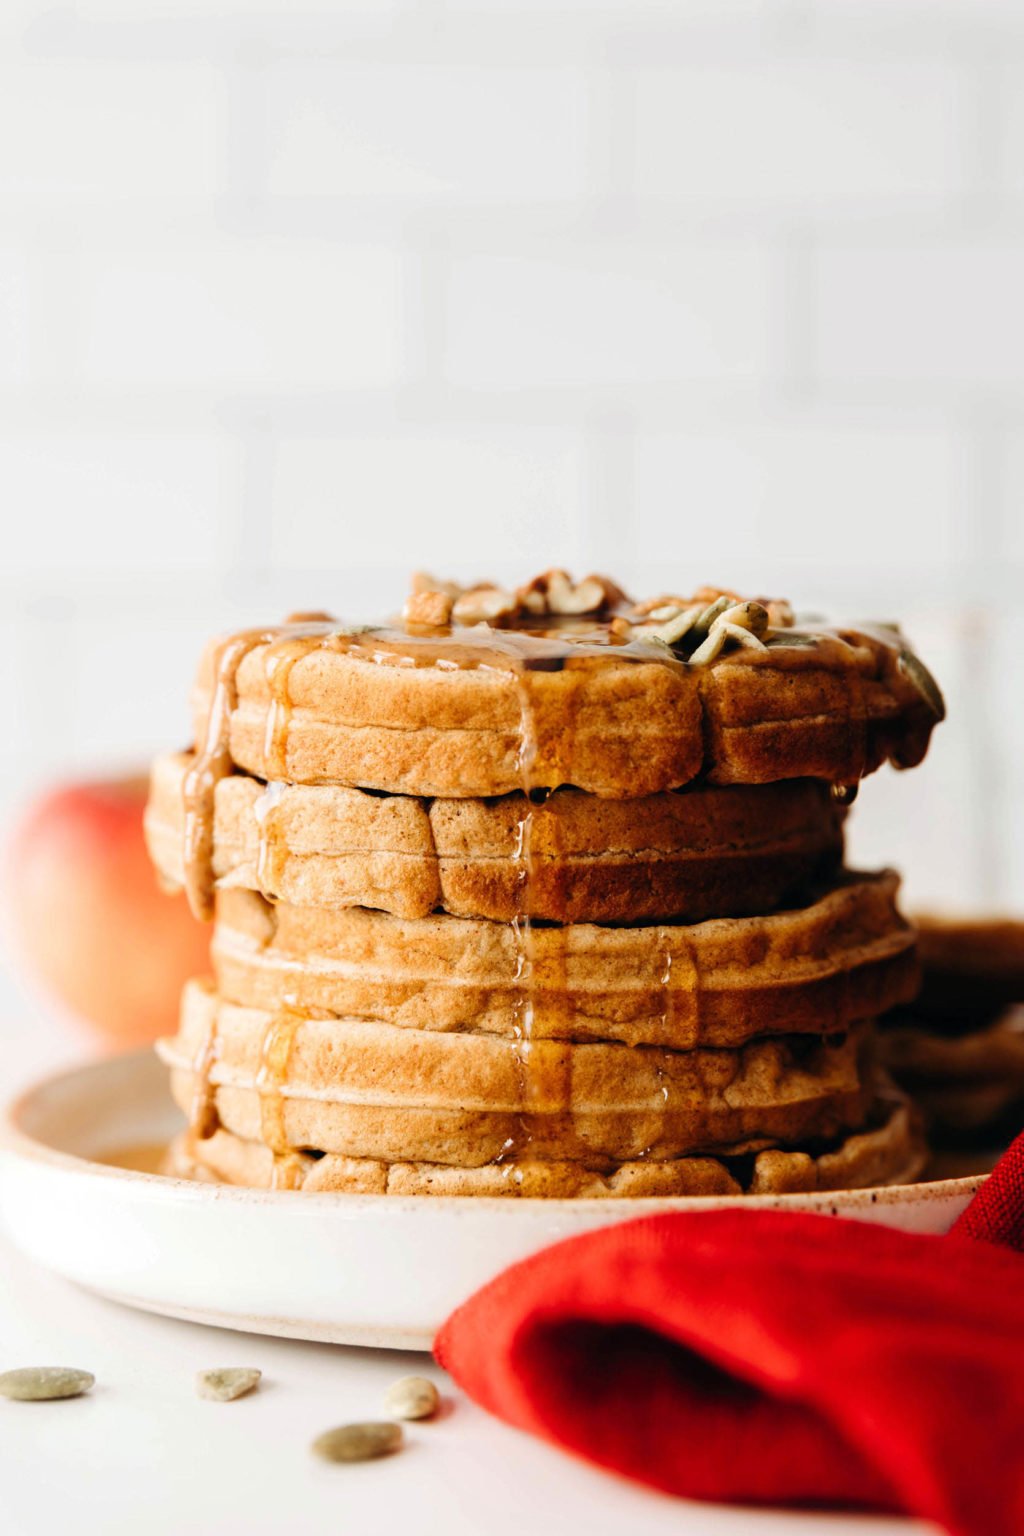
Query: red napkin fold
x,y
774,1357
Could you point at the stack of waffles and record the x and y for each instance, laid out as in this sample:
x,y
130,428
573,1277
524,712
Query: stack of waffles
x,y
541,893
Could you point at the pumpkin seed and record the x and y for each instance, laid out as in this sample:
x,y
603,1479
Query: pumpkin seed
x,y
41,1383
412,1397
709,648
742,636
358,1442
751,615
223,1386
704,621
913,668
680,624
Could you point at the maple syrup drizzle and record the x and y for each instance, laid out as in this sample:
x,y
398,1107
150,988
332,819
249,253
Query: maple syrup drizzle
x,y
574,645
541,1004
212,763
549,643
271,850
666,1019
556,1085
275,1055
279,661
521,928
203,1119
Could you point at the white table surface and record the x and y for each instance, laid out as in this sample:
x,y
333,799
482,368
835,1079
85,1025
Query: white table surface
x,y
141,1455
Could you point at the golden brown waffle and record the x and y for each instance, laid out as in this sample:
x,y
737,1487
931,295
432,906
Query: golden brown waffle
x,y
702,852
537,893
366,1089
484,693
959,1046
890,1151
808,970
442,712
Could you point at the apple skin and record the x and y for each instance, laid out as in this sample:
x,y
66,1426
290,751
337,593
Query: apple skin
x,y
90,920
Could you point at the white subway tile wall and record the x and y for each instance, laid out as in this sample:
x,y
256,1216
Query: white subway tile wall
x,y
297,296
850,136
14,321
86,134
594,312
399,131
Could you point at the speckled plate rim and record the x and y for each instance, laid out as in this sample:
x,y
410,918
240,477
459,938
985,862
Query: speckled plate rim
x,y
16,1140
379,1270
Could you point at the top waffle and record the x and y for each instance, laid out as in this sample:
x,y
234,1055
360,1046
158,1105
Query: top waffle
x,y
480,693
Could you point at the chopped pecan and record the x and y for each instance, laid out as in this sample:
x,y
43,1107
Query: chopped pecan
x,y
431,608
421,582
488,605
553,592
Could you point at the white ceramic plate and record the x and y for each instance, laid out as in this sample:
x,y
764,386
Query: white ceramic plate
x,y
351,1269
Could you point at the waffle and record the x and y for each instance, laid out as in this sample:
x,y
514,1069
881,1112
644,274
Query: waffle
x,y
972,968
966,1084
808,970
366,1089
442,713
890,1151
688,855
959,1046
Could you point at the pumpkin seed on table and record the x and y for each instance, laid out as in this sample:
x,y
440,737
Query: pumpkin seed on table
x,y
44,1383
412,1397
223,1386
358,1442
914,668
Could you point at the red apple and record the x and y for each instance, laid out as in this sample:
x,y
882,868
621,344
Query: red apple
x,y
91,920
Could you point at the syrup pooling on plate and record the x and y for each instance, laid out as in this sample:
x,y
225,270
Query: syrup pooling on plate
x,y
137,1157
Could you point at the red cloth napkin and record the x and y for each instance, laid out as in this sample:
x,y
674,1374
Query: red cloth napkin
x,y
774,1357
